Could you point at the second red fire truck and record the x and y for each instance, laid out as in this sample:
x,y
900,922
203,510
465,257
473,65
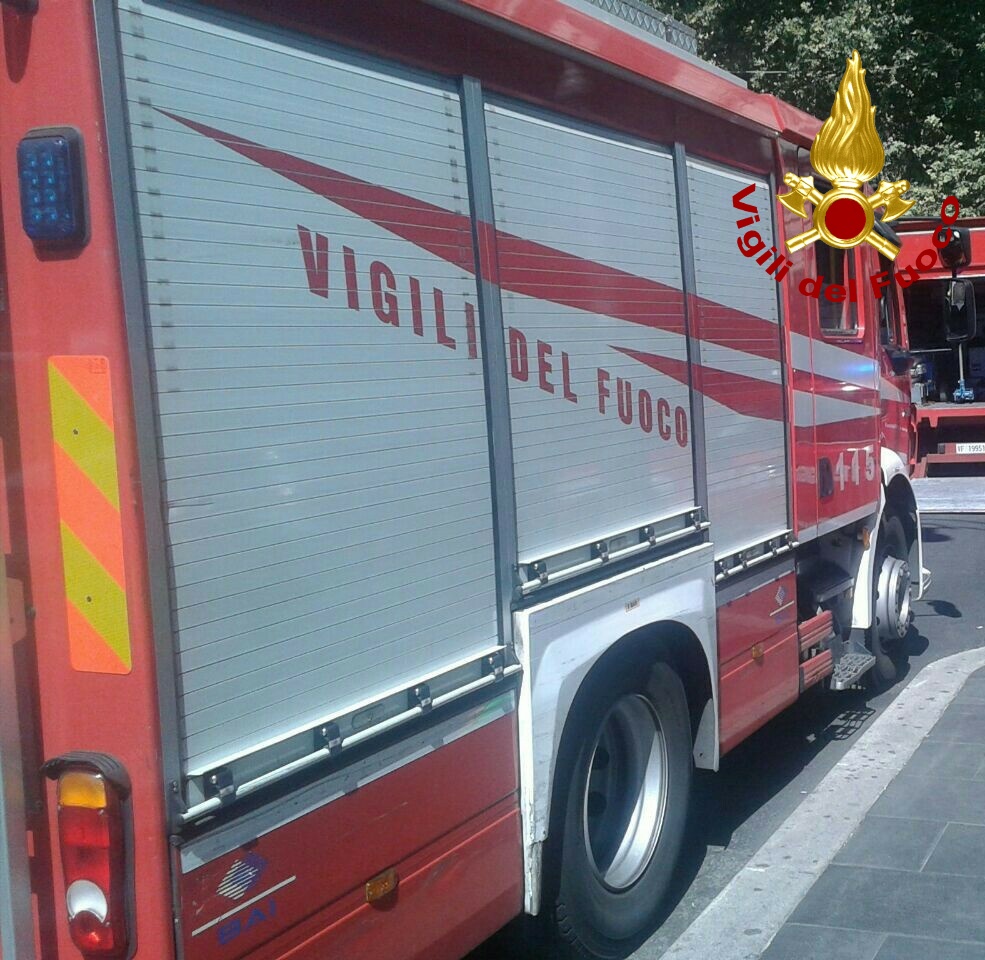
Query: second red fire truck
x,y
407,479
949,427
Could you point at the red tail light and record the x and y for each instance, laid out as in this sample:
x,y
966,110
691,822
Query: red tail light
x,y
94,838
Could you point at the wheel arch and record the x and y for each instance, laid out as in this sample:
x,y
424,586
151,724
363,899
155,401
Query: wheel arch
x,y
672,642
664,607
669,641
901,500
896,496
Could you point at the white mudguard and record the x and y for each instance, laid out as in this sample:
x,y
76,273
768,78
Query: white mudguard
x,y
893,466
560,640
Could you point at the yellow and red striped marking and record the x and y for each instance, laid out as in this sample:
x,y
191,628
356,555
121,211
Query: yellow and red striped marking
x,y
89,514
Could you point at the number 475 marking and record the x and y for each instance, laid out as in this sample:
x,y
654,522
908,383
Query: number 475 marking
x,y
849,470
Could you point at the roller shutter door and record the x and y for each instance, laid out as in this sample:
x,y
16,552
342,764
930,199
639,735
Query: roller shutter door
x,y
590,275
738,323
321,412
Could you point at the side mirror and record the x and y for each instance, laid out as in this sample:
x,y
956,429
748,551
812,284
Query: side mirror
x,y
957,252
960,321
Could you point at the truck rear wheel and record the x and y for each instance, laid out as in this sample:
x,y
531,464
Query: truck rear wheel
x,y
625,810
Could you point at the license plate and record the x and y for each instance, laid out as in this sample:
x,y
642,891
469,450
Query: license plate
x,y
970,447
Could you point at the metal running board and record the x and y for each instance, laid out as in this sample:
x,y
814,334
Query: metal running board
x,y
849,668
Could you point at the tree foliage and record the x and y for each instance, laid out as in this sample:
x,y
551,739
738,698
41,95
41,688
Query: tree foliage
x,y
925,66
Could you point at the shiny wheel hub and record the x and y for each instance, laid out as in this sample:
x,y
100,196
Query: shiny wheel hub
x,y
893,600
626,793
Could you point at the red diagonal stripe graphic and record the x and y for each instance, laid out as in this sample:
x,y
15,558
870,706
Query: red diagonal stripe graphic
x,y
745,395
810,382
859,430
525,267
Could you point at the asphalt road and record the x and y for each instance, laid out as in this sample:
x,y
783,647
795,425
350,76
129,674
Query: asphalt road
x,y
764,779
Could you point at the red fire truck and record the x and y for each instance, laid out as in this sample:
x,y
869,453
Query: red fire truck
x,y
407,477
950,406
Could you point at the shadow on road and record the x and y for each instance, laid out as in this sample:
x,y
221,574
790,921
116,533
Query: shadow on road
x,y
944,608
749,776
765,763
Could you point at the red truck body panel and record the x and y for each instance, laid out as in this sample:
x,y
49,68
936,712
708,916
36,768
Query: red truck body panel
x,y
70,304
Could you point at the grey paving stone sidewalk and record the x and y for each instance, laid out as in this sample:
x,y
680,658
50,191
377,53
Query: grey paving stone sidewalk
x,y
910,883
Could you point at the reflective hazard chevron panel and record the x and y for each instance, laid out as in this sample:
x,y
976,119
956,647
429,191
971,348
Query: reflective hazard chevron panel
x,y
89,514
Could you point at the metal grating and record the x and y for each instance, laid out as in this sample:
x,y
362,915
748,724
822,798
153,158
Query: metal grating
x,y
646,18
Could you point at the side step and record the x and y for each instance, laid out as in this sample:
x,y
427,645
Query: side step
x,y
816,631
817,657
813,634
850,668
815,669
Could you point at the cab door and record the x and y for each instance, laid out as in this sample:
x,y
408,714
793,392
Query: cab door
x,y
846,388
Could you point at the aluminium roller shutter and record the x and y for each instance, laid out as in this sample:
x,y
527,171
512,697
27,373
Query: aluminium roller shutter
x,y
320,401
590,274
738,323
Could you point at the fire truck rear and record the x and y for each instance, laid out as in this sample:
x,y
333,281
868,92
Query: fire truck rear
x,y
407,477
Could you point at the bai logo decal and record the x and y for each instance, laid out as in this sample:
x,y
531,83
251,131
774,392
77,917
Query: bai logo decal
x,y
848,153
258,913
242,877
249,906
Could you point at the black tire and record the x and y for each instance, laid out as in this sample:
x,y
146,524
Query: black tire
x,y
892,542
591,918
